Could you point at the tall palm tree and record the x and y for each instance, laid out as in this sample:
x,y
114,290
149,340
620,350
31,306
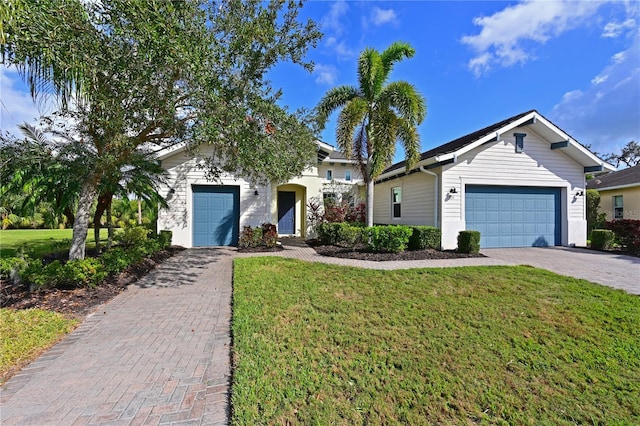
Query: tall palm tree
x,y
375,115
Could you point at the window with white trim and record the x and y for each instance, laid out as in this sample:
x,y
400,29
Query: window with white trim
x,y
329,174
618,207
347,175
396,202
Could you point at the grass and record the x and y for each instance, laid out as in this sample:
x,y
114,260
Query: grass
x,y
320,344
39,242
25,334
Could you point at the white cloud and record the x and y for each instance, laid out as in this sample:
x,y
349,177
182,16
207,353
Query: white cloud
x,y
505,36
615,29
16,105
340,48
383,16
331,22
325,74
606,114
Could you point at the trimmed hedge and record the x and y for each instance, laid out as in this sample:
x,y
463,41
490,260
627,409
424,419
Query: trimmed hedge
x,y
424,237
602,239
469,242
390,238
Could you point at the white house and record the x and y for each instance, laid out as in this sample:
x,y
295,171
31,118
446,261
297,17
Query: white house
x,y
206,213
520,182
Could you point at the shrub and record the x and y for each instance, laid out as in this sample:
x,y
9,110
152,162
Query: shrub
x,y
469,241
75,273
424,237
392,239
117,259
328,233
602,239
269,235
627,233
12,268
165,238
348,235
250,237
133,236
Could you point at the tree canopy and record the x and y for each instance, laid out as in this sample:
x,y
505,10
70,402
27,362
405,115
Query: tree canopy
x,y
376,115
142,73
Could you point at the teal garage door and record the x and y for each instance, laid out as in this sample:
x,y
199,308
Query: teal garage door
x,y
216,215
509,216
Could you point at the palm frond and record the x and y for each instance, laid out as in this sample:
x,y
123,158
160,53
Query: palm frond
x,y
370,73
408,136
395,53
33,134
352,115
333,100
404,97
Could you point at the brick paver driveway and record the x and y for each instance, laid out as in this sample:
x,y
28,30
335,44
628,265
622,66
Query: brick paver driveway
x,y
613,270
158,353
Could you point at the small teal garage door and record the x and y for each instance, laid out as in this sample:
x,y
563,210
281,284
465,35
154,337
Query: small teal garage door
x,y
509,216
216,215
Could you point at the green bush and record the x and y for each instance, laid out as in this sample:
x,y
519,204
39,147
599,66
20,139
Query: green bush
x,y
602,239
392,239
133,236
469,241
12,268
348,235
117,259
87,272
165,237
424,237
328,233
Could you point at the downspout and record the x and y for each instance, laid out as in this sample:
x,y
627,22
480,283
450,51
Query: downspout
x,y
436,194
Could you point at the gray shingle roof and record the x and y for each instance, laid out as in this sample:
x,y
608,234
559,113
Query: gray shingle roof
x,y
463,141
623,177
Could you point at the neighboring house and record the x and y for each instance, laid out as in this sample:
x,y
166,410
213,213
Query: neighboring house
x,y
520,182
205,213
619,193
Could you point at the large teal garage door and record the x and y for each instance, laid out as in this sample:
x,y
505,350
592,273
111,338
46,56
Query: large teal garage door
x,y
509,216
216,215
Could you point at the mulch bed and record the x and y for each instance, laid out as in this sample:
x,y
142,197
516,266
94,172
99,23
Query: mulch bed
x,y
78,302
360,253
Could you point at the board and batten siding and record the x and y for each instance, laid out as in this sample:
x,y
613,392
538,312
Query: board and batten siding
x,y
183,173
417,207
497,163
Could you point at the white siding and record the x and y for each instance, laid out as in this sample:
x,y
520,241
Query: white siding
x,y
418,207
497,163
183,173
339,171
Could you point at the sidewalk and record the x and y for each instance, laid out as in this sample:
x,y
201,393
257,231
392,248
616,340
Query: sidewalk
x,y
158,353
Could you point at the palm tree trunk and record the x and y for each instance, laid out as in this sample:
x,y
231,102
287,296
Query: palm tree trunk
x,y
81,223
370,203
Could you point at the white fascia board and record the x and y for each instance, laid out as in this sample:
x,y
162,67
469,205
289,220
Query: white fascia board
x,y
576,145
168,152
486,138
325,145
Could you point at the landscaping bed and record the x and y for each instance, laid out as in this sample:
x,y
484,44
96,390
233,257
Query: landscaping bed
x,y
78,302
361,253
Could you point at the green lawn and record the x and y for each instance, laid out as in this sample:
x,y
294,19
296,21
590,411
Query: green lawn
x,y
39,242
320,344
25,334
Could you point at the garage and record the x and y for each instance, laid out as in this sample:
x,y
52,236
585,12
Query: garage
x,y
216,215
508,216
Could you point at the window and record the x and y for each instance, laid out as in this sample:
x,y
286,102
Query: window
x,y
618,207
347,175
329,198
329,174
396,201
519,141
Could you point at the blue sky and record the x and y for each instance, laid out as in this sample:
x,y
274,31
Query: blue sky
x,y
476,63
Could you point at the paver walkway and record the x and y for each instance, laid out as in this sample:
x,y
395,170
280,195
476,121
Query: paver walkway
x,y
158,353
